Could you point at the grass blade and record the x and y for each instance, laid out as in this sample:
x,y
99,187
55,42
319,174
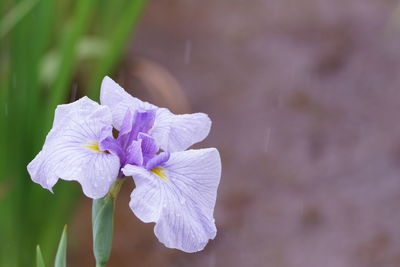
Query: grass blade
x,y
15,15
33,29
39,257
61,256
68,51
123,28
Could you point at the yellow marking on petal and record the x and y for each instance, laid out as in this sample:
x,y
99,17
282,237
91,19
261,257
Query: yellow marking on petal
x,y
93,145
160,172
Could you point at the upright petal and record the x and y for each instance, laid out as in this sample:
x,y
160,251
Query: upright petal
x,y
179,132
172,132
119,101
134,154
149,146
134,123
71,150
181,205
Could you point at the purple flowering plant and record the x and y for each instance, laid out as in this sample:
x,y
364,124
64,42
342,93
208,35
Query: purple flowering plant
x,y
175,188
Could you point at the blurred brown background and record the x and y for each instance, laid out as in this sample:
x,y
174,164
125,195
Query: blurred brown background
x,y
305,99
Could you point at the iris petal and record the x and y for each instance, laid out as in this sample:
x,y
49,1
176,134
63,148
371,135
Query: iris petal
x,y
172,132
183,206
68,154
179,132
119,101
135,123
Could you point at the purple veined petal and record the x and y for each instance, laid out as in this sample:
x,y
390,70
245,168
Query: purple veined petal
x,y
179,132
149,146
134,154
82,108
133,124
127,124
158,160
71,150
172,132
181,205
119,101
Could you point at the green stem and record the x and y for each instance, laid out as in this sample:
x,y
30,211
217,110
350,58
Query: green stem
x,y
103,224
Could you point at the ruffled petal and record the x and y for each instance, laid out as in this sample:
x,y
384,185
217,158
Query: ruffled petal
x,y
71,150
182,204
149,145
135,123
119,101
172,132
134,153
179,132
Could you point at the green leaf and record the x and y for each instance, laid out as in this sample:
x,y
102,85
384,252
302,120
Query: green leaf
x,y
39,257
61,256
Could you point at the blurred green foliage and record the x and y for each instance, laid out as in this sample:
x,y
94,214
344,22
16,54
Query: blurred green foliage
x,y
45,46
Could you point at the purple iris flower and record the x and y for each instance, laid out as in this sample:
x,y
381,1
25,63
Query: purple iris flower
x,y
175,188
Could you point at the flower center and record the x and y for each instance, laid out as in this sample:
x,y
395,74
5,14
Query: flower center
x,y
134,145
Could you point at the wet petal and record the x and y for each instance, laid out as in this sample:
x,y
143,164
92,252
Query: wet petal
x,y
172,132
149,146
71,150
181,205
119,101
179,132
134,153
133,124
